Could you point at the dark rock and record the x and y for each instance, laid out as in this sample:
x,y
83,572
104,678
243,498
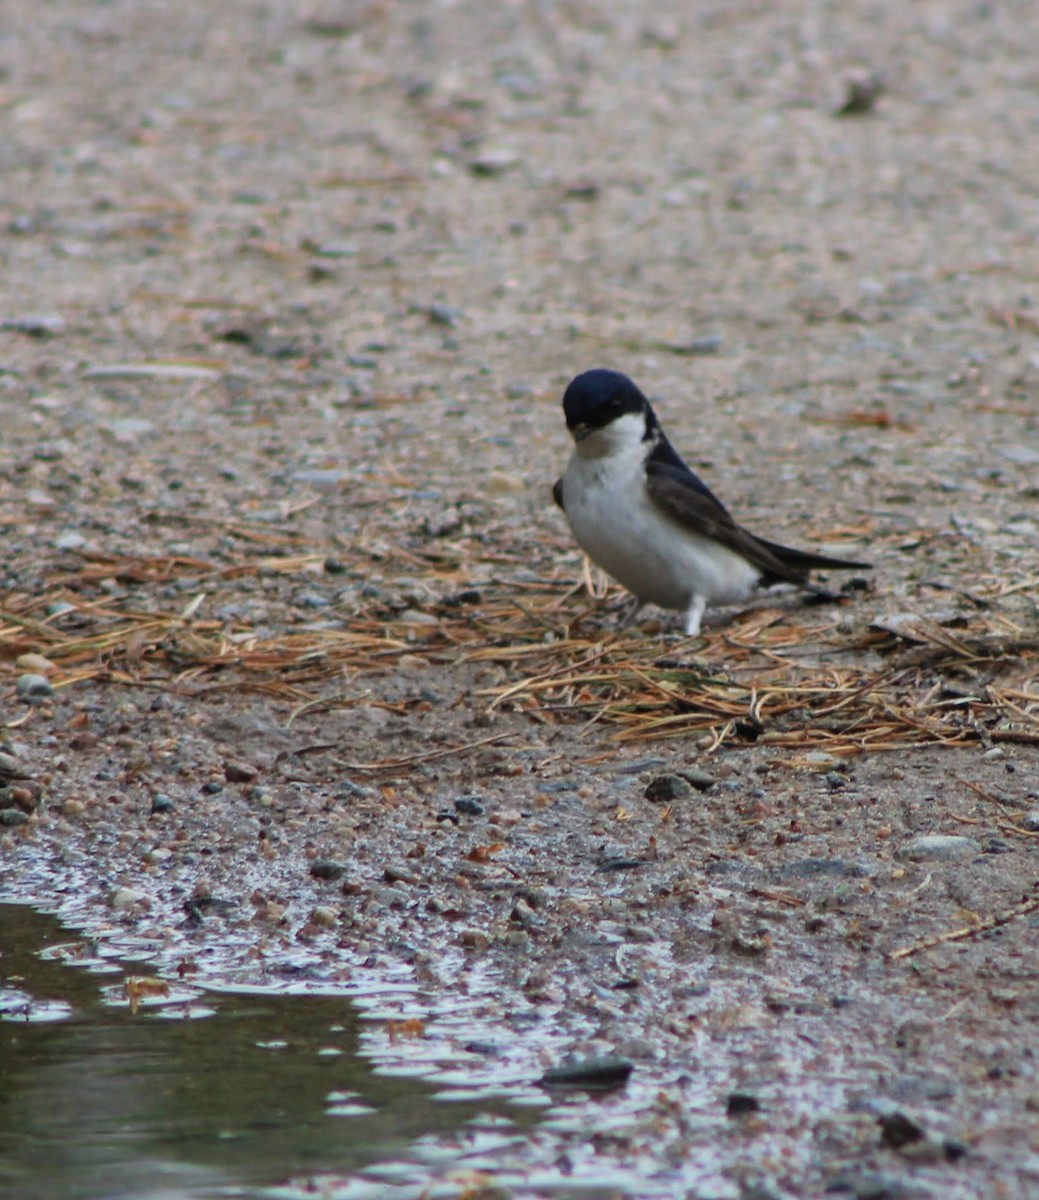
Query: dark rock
x,y
741,1104
591,1074
13,816
327,868
620,864
469,806
161,803
701,780
898,1130
239,772
665,789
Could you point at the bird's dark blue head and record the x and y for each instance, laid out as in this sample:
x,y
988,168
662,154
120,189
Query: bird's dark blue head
x,y
597,398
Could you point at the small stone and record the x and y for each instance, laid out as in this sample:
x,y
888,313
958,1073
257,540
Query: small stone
x,y
34,662
741,1104
524,915
38,325
27,798
474,939
938,847
161,803
123,899
12,816
1030,821
444,314
213,788
73,807
327,868
324,917
898,1130
394,873
469,806
33,689
816,868
495,161
593,1074
666,789
239,772
701,780
499,483
996,752
11,767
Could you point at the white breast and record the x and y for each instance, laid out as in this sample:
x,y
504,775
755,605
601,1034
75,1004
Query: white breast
x,y
621,530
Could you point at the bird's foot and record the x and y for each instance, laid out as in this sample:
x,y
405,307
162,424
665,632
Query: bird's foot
x,y
693,616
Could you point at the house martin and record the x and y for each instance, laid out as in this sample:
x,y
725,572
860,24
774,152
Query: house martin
x,y
648,521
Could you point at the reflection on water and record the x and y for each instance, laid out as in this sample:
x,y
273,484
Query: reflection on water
x,y
106,1104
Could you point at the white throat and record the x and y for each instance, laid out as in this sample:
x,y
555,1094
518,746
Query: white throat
x,y
622,437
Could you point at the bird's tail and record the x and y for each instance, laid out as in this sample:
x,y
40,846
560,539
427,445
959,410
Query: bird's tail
x,y
803,561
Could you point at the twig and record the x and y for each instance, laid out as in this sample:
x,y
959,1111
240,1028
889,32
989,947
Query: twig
x,y
410,760
958,935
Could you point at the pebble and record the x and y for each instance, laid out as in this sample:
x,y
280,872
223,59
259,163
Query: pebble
x,y
474,939
327,868
469,806
34,662
599,1073
33,689
898,1130
394,873
11,767
444,314
69,540
701,780
324,917
876,1185
239,772
813,868
73,807
1030,821
494,161
665,789
161,803
39,325
938,847
122,899
741,1104
27,798
13,816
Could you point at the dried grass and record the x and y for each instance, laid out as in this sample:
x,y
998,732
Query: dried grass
x,y
814,692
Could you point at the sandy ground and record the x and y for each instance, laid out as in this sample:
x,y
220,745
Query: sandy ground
x,y
289,296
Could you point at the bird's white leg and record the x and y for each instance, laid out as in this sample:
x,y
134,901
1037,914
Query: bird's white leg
x,y
633,611
694,615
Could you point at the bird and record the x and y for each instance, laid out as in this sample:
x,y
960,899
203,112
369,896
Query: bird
x,y
638,512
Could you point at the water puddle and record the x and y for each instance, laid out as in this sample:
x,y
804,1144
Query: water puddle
x,y
184,1092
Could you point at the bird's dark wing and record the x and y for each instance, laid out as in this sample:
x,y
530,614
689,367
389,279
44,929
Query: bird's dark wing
x,y
557,493
671,490
664,455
